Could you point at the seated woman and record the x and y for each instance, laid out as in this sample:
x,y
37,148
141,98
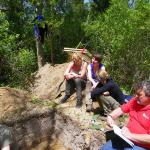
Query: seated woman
x,y
75,76
92,83
106,84
95,66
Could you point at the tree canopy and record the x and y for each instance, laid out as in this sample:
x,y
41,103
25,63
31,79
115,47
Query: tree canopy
x,y
121,33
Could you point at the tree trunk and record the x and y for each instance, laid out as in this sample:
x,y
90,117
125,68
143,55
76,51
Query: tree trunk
x,y
52,55
51,48
40,55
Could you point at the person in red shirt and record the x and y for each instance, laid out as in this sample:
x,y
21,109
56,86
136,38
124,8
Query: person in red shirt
x,y
138,126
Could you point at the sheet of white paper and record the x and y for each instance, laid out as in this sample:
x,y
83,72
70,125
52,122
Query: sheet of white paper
x,y
117,131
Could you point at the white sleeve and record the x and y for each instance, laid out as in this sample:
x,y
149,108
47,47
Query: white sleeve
x,y
89,71
103,68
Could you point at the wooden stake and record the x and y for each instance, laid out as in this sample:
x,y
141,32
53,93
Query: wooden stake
x,y
73,49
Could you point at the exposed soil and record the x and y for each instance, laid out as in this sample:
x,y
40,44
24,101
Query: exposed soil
x,y
78,130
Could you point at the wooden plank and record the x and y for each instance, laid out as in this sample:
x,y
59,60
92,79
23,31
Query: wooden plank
x,y
73,51
86,56
66,49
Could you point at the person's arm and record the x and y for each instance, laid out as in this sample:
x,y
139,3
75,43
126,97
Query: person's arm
x,y
100,90
103,68
67,73
90,76
6,148
140,138
113,115
106,93
83,71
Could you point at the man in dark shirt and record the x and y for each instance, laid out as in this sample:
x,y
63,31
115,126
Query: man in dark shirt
x,y
107,84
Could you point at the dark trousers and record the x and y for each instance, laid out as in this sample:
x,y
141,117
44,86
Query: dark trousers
x,y
107,103
78,84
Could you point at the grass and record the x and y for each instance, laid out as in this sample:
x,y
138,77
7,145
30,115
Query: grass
x,y
45,102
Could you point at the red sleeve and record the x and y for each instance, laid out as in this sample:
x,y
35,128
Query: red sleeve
x,y
127,107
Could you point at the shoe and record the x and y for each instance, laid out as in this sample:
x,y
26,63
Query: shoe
x,y
89,108
103,113
79,104
64,99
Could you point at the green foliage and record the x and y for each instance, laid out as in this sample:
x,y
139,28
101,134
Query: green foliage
x,y
15,65
45,102
22,65
120,33
6,39
123,35
6,46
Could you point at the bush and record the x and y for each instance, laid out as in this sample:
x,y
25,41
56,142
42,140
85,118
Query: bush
x,y
123,34
22,65
16,65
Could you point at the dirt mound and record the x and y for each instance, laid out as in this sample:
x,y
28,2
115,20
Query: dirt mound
x,y
47,80
33,120
12,101
21,109
17,105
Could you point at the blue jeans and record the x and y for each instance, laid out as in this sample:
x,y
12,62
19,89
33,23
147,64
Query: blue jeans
x,y
108,146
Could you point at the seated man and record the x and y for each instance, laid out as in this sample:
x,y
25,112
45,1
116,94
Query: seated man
x,y
6,138
106,84
138,127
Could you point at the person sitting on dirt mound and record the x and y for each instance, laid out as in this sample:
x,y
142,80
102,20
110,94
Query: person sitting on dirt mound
x,y
75,76
138,126
93,68
106,84
6,139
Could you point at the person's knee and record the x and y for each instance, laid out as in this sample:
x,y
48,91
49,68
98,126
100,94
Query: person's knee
x,y
107,146
77,81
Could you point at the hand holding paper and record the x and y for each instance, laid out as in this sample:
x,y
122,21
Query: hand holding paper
x,y
110,121
126,132
118,131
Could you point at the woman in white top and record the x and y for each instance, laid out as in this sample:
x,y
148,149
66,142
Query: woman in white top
x,y
92,82
107,102
95,67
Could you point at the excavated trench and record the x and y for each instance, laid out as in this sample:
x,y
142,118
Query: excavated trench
x,y
51,130
38,126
